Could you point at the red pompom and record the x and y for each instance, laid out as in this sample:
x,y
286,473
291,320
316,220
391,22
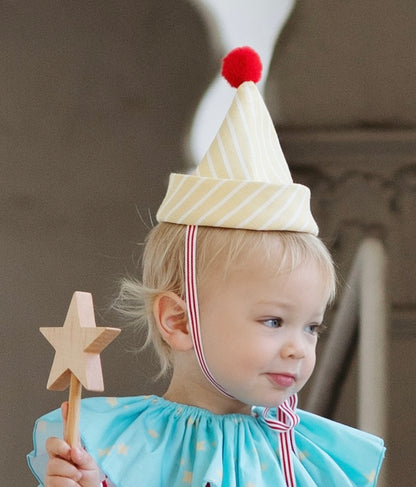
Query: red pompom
x,y
241,64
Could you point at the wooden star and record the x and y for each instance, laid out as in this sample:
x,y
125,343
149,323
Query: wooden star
x,y
78,344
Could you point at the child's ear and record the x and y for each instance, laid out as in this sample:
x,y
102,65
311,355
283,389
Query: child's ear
x,y
170,314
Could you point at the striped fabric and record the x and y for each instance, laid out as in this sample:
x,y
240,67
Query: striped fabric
x,y
243,181
193,307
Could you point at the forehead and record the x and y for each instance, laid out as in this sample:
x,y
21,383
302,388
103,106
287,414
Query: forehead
x,y
267,253
240,249
273,263
251,281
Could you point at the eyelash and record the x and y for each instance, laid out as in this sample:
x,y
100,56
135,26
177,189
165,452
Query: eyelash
x,y
315,330
277,322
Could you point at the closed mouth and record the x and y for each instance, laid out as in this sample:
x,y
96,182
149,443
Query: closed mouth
x,y
282,379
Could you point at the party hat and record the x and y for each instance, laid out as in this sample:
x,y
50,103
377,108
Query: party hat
x,y
243,181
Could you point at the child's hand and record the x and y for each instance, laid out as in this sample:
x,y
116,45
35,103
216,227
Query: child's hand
x,y
69,467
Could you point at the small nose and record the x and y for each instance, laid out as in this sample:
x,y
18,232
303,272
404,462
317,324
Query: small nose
x,y
293,347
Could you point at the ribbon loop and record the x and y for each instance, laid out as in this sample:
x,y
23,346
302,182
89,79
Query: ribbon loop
x,y
286,417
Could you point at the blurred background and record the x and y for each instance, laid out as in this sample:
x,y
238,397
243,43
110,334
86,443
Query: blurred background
x,y
101,100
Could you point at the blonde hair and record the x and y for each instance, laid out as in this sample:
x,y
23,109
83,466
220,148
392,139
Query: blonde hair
x,y
163,266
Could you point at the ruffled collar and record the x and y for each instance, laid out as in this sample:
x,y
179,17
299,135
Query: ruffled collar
x,y
149,441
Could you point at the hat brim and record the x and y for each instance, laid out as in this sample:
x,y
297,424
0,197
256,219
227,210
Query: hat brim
x,y
252,205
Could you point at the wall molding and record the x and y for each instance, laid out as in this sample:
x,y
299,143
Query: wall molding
x,y
363,182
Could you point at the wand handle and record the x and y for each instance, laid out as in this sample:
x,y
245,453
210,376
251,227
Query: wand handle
x,y
71,429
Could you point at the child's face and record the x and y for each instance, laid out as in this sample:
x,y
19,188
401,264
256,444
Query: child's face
x,y
259,329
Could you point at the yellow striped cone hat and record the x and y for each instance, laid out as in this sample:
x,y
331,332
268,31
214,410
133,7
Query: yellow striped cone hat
x,y
243,181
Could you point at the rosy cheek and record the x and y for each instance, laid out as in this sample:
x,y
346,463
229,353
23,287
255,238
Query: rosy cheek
x,y
311,364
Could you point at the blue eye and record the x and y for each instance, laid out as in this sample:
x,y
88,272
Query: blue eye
x,y
273,322
315,329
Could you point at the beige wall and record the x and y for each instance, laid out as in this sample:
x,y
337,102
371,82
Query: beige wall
x,y
95,101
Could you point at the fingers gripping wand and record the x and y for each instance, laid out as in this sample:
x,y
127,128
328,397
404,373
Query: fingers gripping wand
x,y
78,344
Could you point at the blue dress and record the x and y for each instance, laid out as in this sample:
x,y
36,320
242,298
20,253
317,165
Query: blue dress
x,y
147,441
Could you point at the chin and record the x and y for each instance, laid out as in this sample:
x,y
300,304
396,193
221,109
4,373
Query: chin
x,y
272,401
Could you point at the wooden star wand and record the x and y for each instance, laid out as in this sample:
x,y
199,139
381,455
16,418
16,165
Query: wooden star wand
x,y
78,344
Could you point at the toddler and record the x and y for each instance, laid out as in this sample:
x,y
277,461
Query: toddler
x,y
233,294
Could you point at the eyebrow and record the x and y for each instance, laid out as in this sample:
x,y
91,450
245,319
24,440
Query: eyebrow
x,y
272,302
286,305
275,302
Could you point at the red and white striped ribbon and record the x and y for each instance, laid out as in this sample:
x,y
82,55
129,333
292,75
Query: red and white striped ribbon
x,y
286,418
192,304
